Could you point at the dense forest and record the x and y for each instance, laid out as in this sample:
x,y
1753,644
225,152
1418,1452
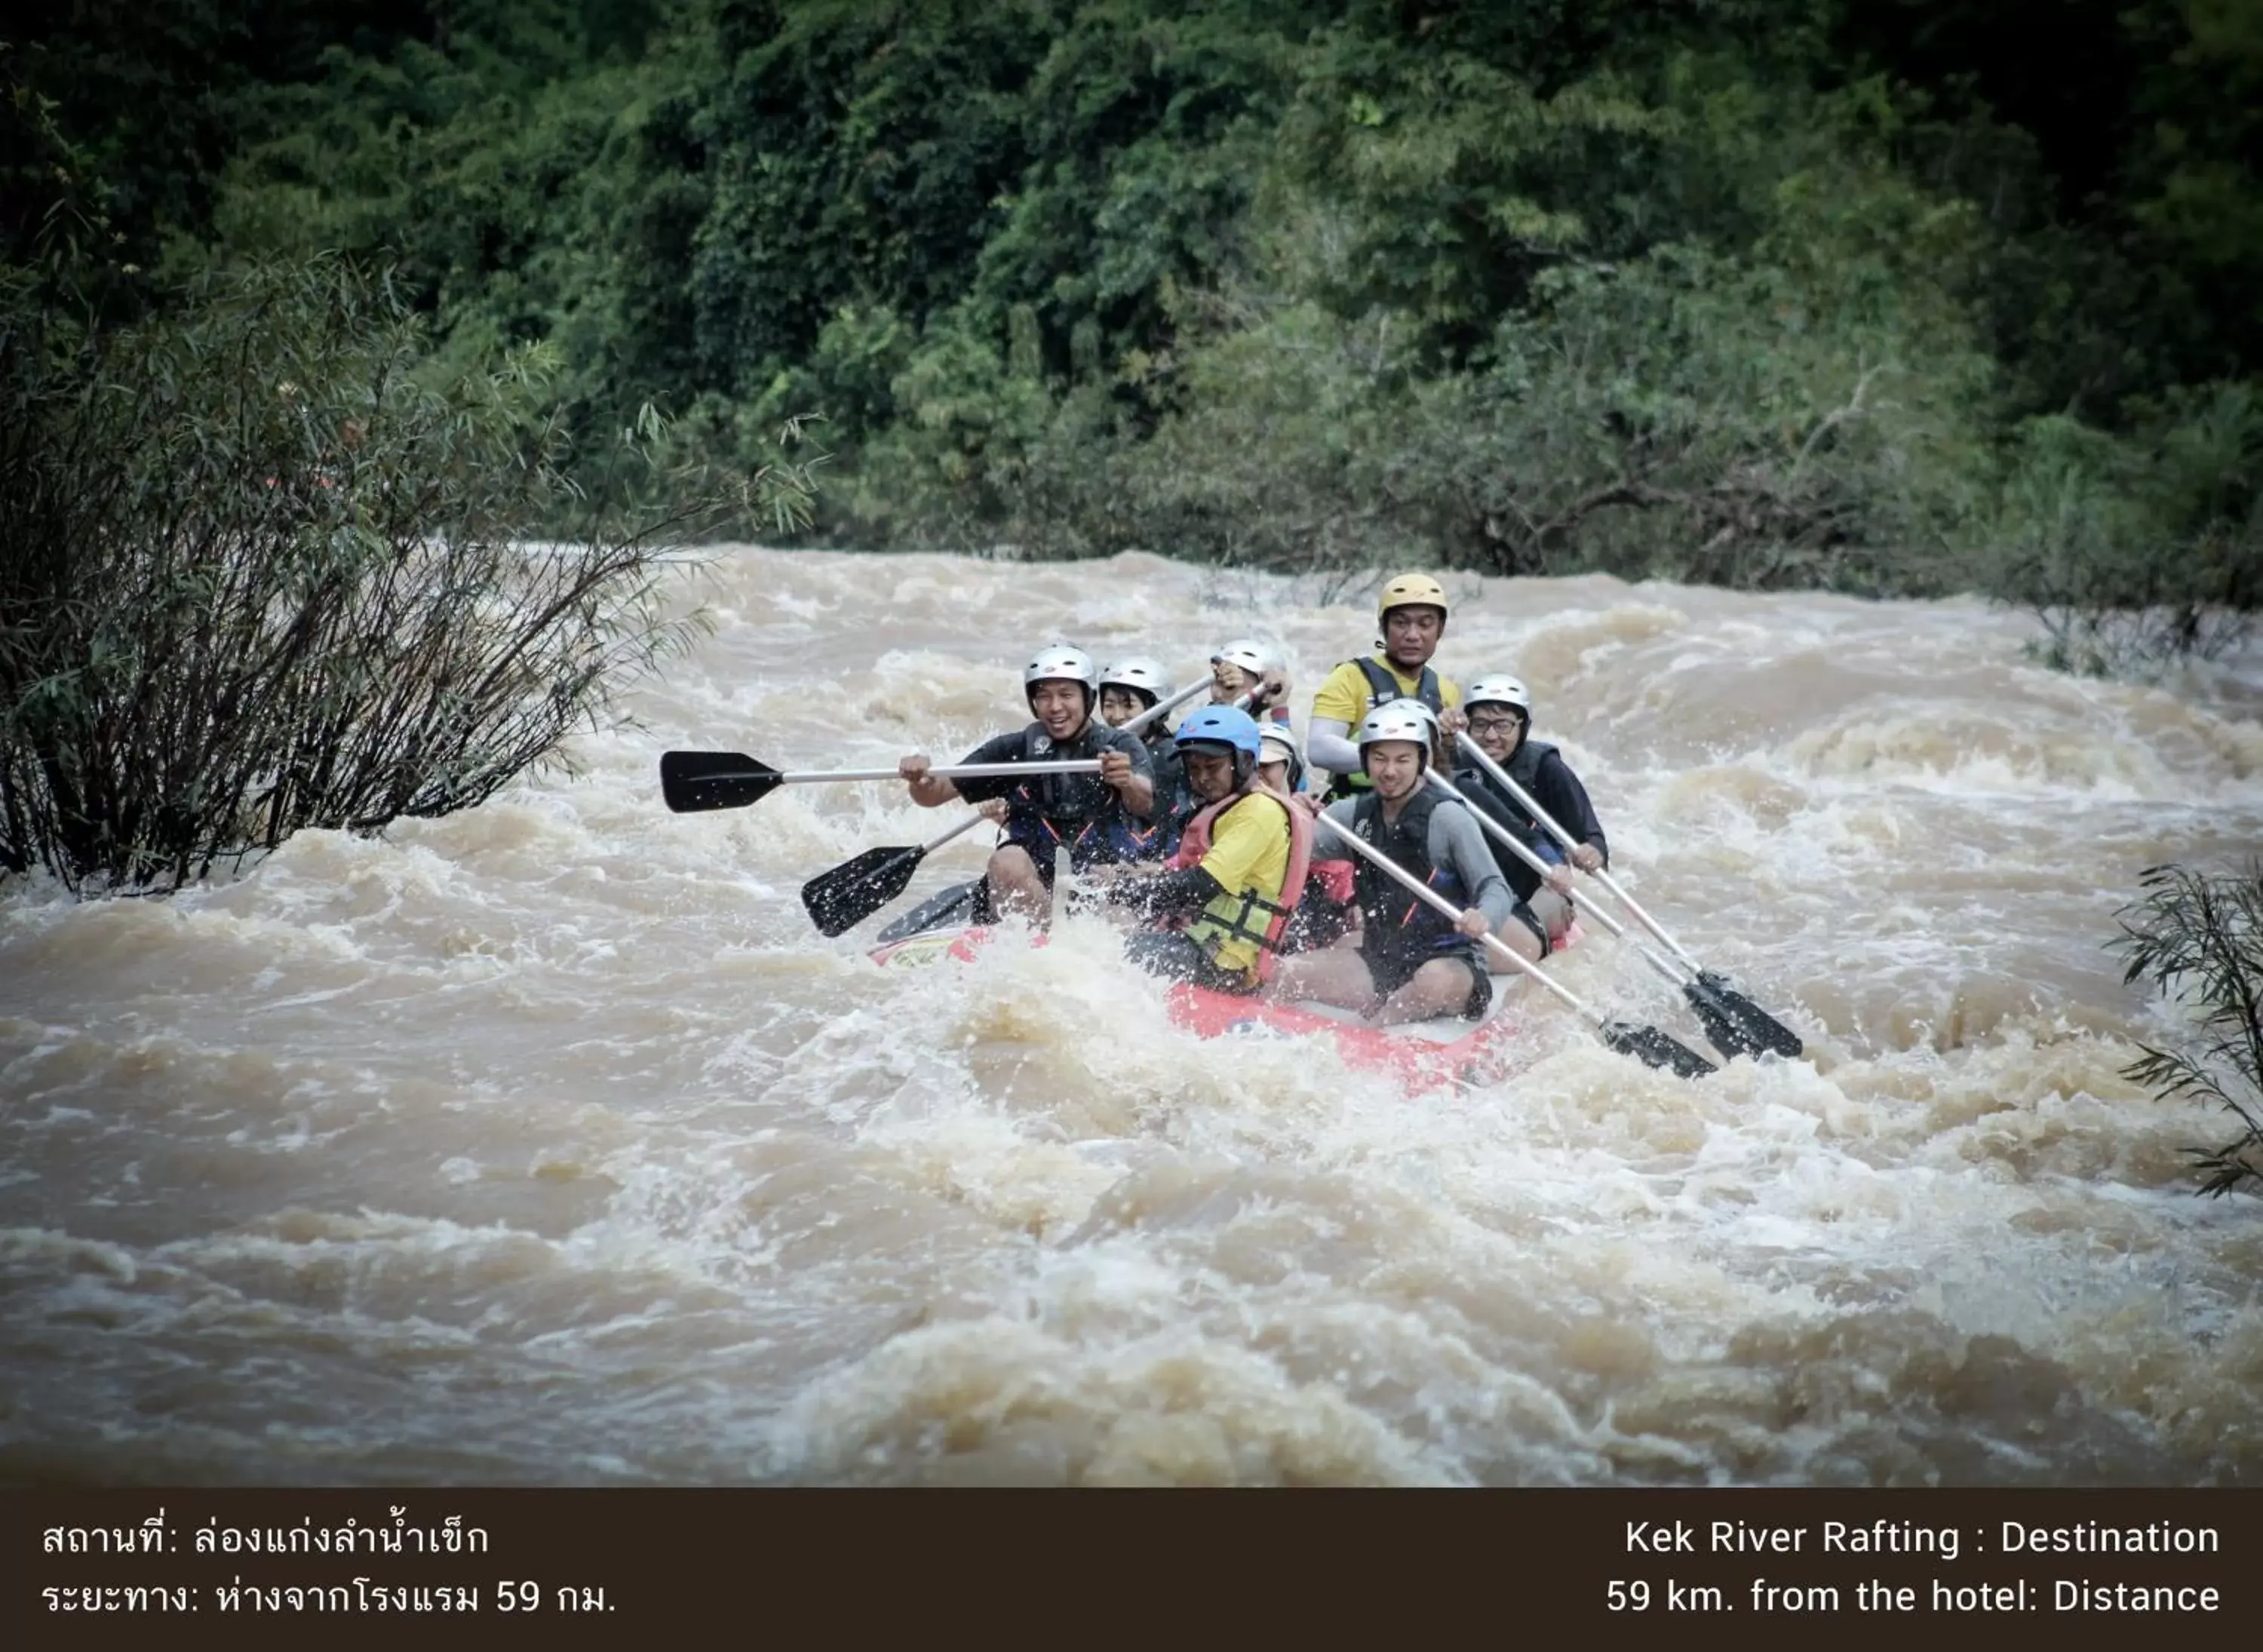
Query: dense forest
x,y
1886,296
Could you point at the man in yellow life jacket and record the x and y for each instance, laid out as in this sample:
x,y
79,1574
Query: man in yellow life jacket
x,y
1412,615
1227,893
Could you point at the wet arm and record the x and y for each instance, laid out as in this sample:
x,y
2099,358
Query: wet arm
x,y
1558,791
1167,894
1458,844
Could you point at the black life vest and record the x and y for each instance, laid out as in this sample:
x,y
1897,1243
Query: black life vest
x,y
1081,811
1523,767
1382,688
1394,922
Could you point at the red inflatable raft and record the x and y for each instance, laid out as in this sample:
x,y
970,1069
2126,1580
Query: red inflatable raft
x,y
1422,1055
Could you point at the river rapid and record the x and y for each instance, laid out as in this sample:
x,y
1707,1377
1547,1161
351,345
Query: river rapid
x,y
549,1143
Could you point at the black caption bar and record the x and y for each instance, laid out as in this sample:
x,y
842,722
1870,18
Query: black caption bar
x,y
484,1566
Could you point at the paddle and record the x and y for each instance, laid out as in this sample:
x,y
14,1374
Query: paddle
x,y
1132,726
839,900
1721,1029
1711,995
1646,1043
692,780
953,905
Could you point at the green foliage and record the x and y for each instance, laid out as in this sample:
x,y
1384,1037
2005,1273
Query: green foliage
x,y
2201,936
2136,551
261,578
1764,292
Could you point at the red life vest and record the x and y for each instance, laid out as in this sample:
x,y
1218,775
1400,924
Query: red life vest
x,y
1194,844
1337,879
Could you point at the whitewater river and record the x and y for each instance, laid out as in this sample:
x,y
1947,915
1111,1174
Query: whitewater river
x,y
549,1143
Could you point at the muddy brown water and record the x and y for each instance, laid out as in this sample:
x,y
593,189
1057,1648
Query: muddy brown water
x,y
548,1143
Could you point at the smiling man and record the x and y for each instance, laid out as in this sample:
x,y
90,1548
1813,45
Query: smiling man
x,y
1412,615
1412,962
1086,813
1499,710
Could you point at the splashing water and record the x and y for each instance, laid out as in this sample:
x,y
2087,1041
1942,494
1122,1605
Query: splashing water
x,y
548,1143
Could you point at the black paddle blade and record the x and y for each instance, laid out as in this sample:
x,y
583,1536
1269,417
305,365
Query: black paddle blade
x,y
1659,1049
953,907
844,898
1760,1029
1722,1030
693,780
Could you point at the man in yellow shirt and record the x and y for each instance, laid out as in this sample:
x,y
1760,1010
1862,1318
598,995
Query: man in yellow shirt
x,y
1412,612
1238,871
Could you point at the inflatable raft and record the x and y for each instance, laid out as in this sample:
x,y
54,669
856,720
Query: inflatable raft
x,y
1421,1055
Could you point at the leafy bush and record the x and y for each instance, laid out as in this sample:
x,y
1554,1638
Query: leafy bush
x,y
2203,934
2136,551
261,578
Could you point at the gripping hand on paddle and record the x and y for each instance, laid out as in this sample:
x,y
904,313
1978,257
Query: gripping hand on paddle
x,y
1586,857
1472,924
928,790
1136,791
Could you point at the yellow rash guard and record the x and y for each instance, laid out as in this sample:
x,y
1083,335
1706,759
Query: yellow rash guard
x,y
1344,695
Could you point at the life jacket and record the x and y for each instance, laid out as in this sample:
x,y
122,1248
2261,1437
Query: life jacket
x,y
1175,805
1194,844
1081,811
1339,880
1394,923
1523,767
1382,688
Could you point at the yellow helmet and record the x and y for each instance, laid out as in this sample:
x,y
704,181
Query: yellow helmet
x,y
1411,590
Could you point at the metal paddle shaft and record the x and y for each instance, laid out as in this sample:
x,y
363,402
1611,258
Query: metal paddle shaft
x,y
1163,707
1525,800
692,780
1524,852
839,900
1722,1030
1645,1043
1729,1016
956,771
1247,702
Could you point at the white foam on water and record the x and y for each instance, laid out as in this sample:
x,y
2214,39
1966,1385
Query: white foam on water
x,y
547,1143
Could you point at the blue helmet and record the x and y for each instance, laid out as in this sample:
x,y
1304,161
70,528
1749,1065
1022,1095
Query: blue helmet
x,y
1223,726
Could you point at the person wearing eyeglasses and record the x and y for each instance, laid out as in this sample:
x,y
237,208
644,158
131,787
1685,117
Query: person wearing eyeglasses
x,y
1499,709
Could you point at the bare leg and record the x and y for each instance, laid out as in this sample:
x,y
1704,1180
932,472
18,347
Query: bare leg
x,y
1334,975
1015,889
1441,987
1515,934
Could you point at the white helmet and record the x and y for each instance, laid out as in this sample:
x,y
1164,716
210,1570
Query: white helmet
x,y
1140,673
1250,655
1499,688
1063,663
1277,733
1407,719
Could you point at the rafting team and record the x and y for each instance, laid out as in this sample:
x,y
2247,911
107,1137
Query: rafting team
x,y
1205,838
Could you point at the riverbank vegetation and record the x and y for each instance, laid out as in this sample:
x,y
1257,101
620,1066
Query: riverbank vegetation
x,y
267,568
1847,293
2200,936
